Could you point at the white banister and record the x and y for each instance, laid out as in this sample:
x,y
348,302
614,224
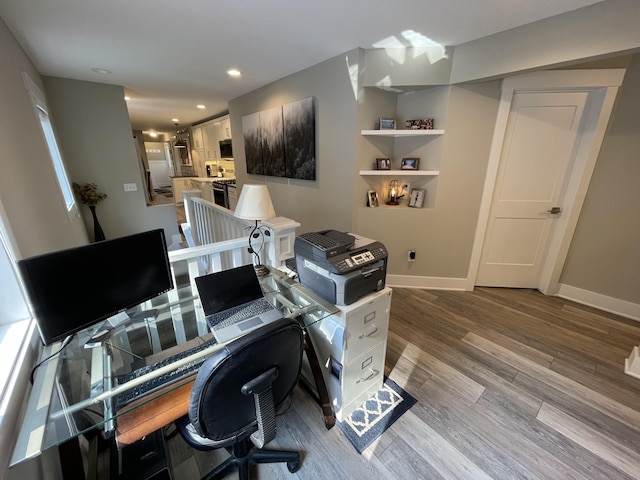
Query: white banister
x,y
218,241
210,223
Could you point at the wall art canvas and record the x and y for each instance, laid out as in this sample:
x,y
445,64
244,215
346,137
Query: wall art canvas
x,y
300,139
252,143
272,142
280,141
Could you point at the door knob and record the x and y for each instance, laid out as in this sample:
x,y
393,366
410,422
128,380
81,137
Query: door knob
x,y
554,210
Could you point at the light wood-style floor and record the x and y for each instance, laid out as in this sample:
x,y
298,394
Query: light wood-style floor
x,y
510,385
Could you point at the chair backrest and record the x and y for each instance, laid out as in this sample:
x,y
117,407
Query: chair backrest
x,y
218,409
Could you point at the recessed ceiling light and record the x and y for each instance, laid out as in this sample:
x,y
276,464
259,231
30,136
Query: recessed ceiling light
x,y
127,98
175,120
153,134
102,71
234,72
201,106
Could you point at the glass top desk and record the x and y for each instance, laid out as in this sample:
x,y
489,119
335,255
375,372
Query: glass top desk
x,y
73,391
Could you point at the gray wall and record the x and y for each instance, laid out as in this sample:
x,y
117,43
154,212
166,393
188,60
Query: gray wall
x,y
605,252
98,145
442,233
28,187
325,202
443,236
592,32
36,215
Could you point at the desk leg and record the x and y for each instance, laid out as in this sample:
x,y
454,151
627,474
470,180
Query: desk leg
x,y
71,459
323,393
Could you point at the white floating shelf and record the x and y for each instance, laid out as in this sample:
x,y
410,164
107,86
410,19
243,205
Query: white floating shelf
x,y
400,173
401,133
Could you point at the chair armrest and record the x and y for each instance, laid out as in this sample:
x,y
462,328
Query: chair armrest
x,y
261,382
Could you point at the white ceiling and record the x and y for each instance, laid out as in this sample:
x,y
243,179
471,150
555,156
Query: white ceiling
x,y
173,54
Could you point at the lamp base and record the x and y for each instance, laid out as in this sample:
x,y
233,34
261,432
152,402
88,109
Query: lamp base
x,y
393,202
261,270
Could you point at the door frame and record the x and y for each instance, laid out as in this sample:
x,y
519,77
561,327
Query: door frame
x,y
602,86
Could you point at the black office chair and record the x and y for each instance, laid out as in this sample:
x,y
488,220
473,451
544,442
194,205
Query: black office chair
x,y
236,395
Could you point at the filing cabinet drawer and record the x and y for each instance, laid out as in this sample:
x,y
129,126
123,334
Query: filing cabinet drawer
x,y
363,373
365,324
362,377
365,330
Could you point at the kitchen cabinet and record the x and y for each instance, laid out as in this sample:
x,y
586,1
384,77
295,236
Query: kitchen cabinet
x,y
178,185
232,194
207,191
225,128
217,135
351,347
196,138
208,138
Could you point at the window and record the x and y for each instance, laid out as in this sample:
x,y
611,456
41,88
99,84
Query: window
x,y
40,106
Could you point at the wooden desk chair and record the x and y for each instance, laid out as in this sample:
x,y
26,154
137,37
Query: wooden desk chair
x,y
236,395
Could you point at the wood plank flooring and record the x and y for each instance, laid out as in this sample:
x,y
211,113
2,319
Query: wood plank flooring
x,y
510,385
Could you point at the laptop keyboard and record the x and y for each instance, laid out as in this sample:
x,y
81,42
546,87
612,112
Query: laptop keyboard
x,y
220,320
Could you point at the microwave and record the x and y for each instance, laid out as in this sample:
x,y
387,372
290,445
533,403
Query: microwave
x,y
226,151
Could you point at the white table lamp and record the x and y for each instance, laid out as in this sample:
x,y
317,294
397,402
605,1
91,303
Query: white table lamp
x,y
255,204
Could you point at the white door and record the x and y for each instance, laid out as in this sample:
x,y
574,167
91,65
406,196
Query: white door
x,y
540,143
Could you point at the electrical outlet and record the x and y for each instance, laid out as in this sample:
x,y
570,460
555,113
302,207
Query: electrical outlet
x,y
411,256
130,187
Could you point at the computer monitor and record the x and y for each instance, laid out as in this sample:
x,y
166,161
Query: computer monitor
x,y
72,289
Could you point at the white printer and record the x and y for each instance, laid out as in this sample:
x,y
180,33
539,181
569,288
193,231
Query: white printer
x,y
340,267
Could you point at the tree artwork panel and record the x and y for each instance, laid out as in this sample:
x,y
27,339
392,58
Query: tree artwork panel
x,y
253,143
300,139
281,141
272,142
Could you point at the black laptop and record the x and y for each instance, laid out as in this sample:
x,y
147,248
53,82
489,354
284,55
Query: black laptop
x,y
233,302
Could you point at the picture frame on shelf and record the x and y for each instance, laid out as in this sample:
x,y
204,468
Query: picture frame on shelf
x,y
416,200
372,199
383,164
419,124
386,124
409,163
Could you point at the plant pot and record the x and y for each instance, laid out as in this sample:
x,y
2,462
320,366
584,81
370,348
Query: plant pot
x,y
98,234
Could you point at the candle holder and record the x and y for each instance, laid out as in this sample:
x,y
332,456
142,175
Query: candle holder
x,y
394,192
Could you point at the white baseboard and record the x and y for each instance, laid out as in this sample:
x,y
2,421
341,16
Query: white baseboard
x,y
435,283
585,297
602,302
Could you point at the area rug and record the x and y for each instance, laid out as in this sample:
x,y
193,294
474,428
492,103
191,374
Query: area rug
x,y
376,414
165,192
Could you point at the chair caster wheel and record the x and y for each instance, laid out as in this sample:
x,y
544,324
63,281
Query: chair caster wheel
x,y
293,466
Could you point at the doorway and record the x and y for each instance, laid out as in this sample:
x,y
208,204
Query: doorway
x,y
548,134
160,171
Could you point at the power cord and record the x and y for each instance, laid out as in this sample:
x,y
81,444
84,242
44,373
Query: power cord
x,y
65,342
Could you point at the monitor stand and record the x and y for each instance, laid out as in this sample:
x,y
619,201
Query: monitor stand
x,y
117,319
114,321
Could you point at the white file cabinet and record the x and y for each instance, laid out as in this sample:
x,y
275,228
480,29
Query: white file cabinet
x,y
351,347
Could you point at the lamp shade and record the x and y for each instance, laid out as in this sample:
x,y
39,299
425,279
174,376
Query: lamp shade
x,y
254,203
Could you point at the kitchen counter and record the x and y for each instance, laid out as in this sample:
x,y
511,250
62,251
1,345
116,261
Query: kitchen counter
x,y
211,179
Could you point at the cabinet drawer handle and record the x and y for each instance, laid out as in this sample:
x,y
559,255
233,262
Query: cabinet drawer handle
x,y
372,332
369,377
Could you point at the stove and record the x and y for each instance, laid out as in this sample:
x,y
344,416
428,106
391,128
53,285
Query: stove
x,y
220,192
224,181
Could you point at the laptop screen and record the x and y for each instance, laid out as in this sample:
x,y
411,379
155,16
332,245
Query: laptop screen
x,y
220,291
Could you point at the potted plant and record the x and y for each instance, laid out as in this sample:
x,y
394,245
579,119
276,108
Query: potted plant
x,y
89,195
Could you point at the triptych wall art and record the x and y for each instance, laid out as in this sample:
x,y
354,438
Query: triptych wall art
x,y
281,141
